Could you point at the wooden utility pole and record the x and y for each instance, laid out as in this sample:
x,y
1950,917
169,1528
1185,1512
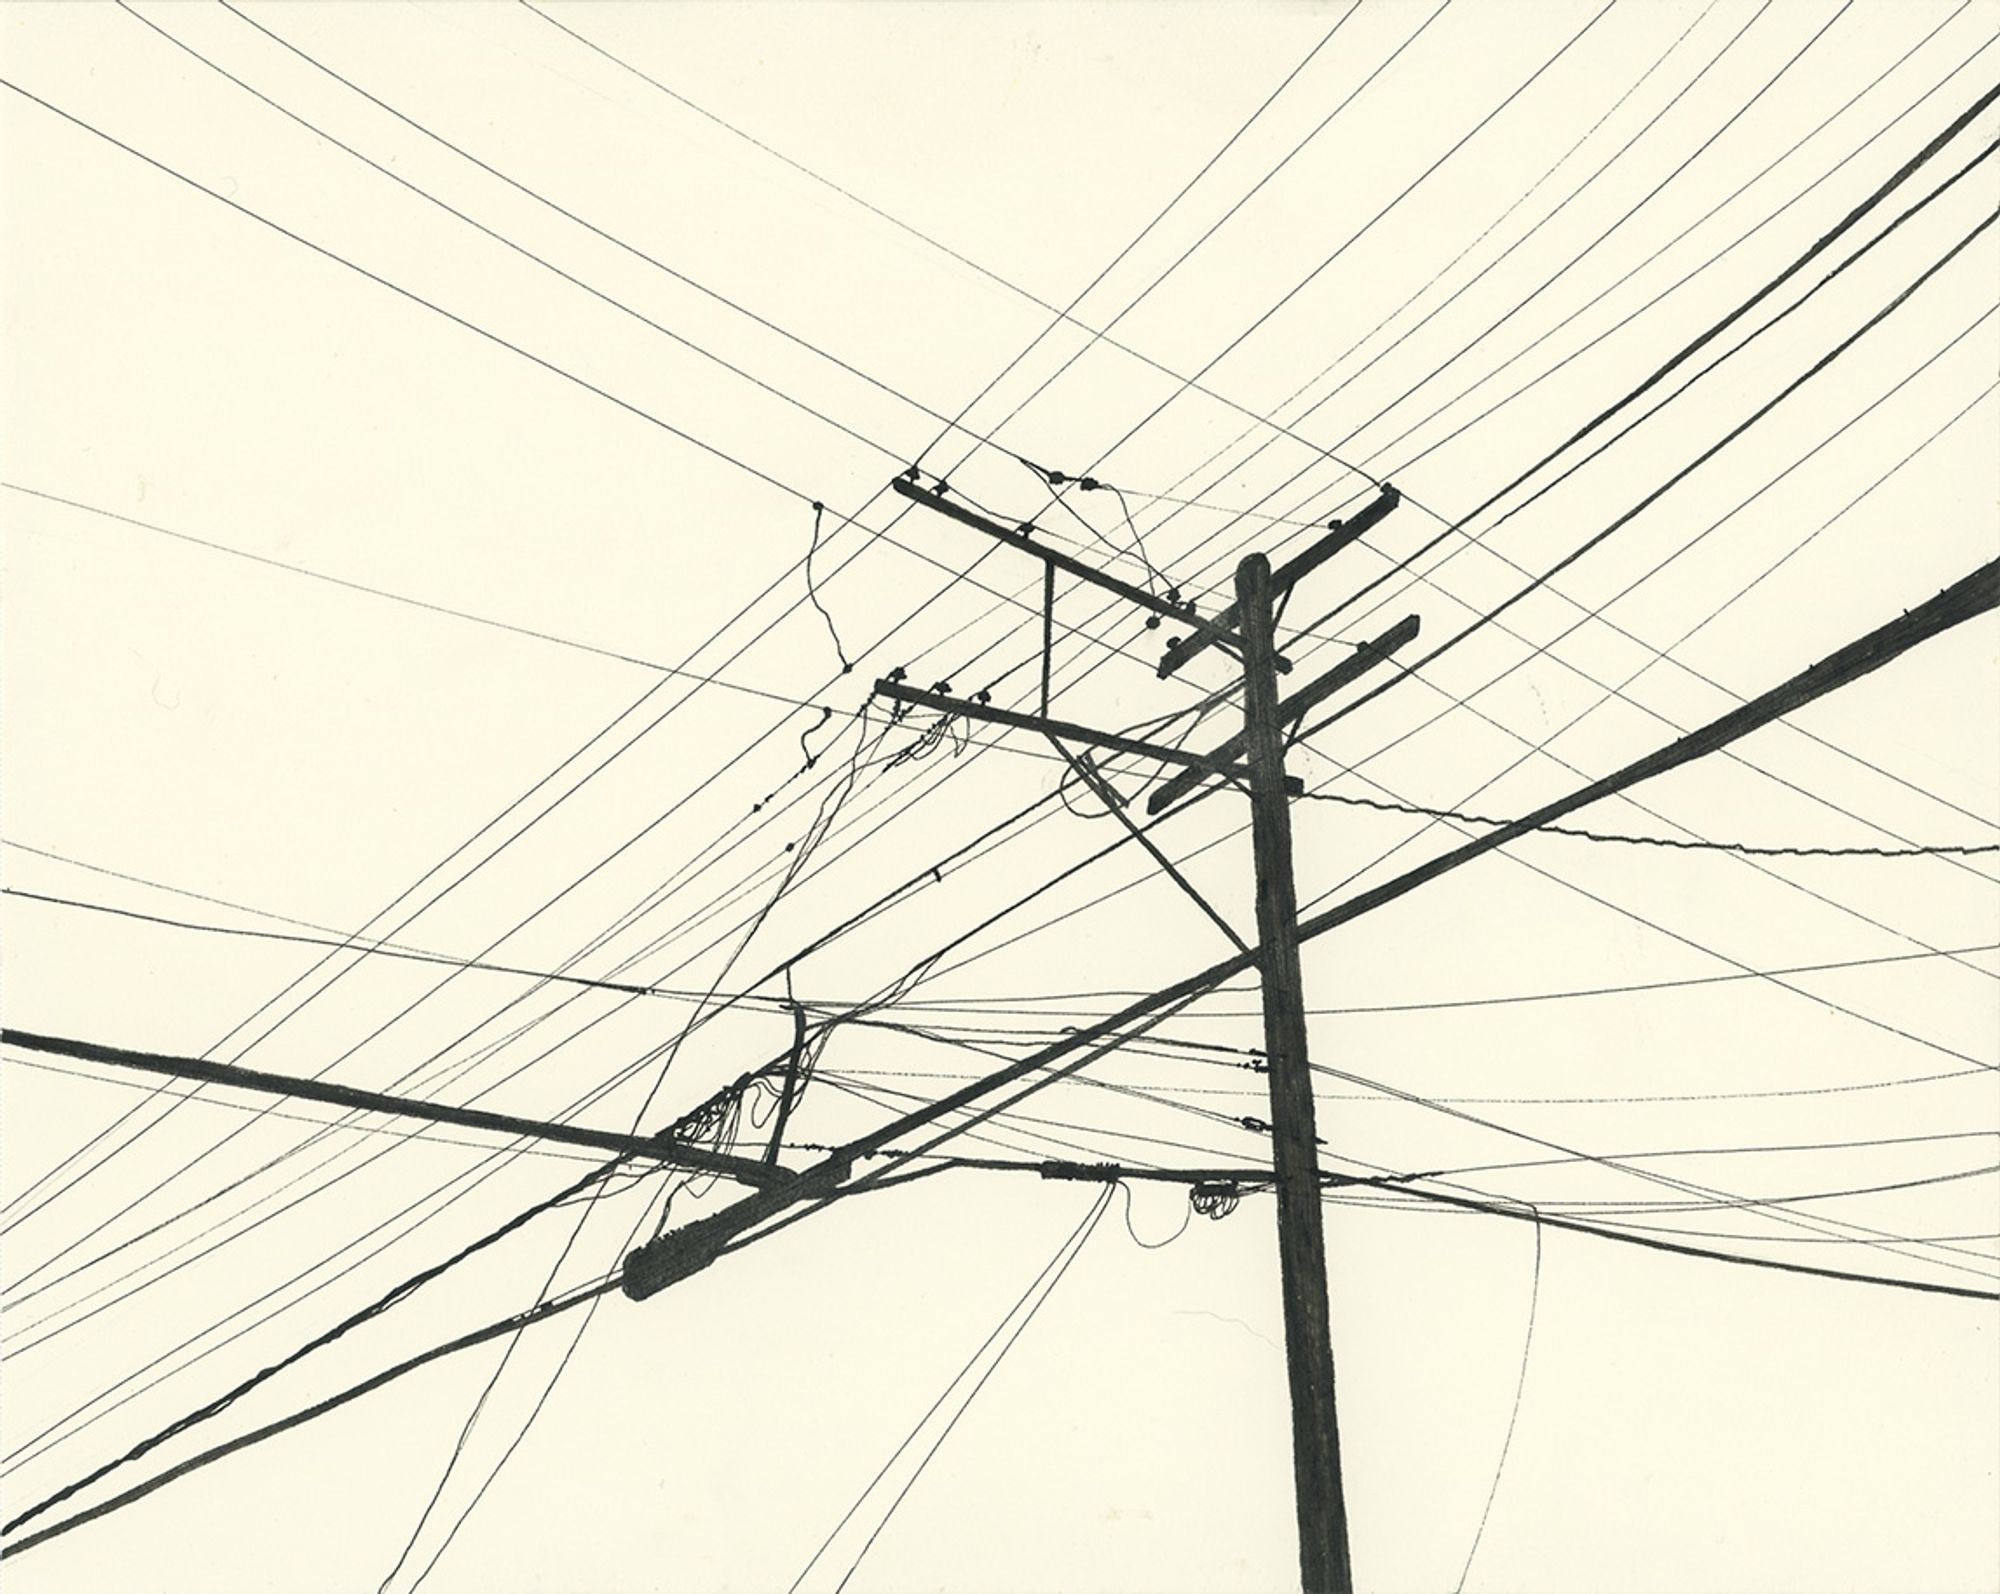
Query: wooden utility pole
x,y
1322,1508
1255,760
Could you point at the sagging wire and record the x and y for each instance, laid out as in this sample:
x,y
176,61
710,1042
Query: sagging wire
x,y
1513,1416
775,1083
940,730
717,1120
809,758
1153,729
1068,780
812,589
1156,583
1187,1217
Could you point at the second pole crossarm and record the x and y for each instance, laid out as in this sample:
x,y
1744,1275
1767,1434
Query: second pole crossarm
x,y
1110,740
1303,701
1339,535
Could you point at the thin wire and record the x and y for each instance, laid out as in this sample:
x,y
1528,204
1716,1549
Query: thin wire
x,y
1060,315
410,602
1187,1216
1070,1243
1340,249
1455,525
1088,1228
1494,1206
667,1054
812,592
1544,576
1514,1415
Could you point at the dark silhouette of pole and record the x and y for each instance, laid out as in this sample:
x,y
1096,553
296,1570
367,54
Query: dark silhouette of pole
x,y
1322,1509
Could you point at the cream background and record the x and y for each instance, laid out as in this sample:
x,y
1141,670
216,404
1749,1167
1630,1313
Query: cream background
x,y
181,715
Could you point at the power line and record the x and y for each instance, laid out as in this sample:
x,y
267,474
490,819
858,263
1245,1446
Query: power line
x,y
1017,411
630,1144
1669,652
1577,192
1682,843
414,297
1543,577
1060,315
1452,526
407,1075
1647,260
1054,1272
548,365
269,1430
1498,1209
1455,525
454,973
520,249
1448,1003
492,1164
354,1320
1753,761
512,1324
1754,766
1975,594
1710,1198
951,423
1513,1414
1291,293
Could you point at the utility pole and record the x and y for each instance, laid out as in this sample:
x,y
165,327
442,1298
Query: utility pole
x,y
677,1254
1255,760
1322,1508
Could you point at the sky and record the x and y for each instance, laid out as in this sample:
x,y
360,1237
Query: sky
x,y
446,503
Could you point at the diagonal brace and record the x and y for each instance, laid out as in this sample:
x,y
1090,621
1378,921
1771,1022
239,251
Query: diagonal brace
x,y
1116,804
1340,534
